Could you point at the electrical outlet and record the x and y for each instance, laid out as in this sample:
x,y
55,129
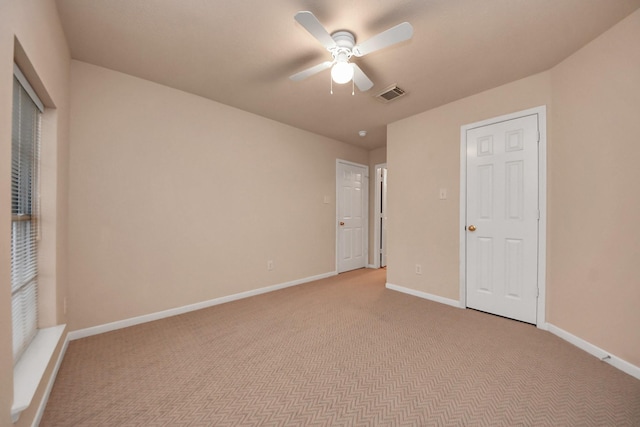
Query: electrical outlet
x,y
270,265
443,194
418,269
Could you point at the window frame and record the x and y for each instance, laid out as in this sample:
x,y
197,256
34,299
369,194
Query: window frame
x,y
25,221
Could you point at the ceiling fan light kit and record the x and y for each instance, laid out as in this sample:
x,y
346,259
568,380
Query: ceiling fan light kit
x,y
341,45
342,72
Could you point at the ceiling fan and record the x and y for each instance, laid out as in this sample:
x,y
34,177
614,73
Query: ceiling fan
x,y
341,45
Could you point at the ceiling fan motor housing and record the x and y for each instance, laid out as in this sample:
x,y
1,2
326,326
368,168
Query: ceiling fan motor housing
x,y
344,39
344,45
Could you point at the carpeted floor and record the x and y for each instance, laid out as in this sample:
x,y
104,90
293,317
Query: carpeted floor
x,y
341,351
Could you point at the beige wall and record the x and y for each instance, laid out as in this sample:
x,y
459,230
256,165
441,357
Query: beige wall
x,y
175,199
423,156
377,156
593,100
30,34
594,239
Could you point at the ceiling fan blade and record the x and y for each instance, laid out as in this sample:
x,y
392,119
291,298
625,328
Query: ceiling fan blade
x,y
397,34
315,28
360,79
311,71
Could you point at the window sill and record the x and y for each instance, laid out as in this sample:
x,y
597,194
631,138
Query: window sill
x,y
28,372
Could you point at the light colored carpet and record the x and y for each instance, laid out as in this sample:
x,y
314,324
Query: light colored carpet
x,y
342,351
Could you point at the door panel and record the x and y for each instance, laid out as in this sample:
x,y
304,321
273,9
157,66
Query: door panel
x,y
352,222
502,205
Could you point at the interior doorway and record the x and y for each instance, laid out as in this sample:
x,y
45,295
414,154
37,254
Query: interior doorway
x,y
352,212
380,216
503,215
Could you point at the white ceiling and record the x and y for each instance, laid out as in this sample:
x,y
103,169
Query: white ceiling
x,y
241,52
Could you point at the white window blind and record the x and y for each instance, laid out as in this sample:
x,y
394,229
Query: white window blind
x,y
25,149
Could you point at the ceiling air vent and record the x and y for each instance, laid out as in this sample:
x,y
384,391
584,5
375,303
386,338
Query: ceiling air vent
x,y
389,94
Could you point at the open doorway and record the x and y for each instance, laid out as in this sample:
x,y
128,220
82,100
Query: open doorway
x,y
380,216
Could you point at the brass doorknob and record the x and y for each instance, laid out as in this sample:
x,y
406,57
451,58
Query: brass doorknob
x,y
472,228
341,223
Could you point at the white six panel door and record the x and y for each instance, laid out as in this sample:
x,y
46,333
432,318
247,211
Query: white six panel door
x,y
352,208
502,218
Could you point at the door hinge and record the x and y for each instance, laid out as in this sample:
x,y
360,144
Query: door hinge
x,y
538,214
537,292
538,137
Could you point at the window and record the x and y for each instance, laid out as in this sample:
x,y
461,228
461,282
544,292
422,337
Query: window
x,y
25,148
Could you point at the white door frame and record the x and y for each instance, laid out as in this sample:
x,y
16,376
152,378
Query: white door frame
x,y
377,232
365,211
542,204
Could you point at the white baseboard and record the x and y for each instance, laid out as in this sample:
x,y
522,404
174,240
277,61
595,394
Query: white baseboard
x,y
424,295
601,354
52,380
120,324
372,266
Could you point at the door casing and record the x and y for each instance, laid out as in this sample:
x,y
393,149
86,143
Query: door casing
x,y
541,111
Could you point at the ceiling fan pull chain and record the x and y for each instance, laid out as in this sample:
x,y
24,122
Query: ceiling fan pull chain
x,y
353,87
331,83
